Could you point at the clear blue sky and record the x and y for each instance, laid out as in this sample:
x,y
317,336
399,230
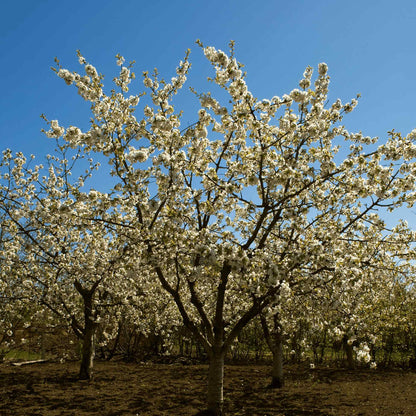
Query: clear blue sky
x,y
369,46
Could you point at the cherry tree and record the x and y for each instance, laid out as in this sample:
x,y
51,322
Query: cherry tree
x,y
363,295
408,322
248,200
61,254
354,302
72,268
16,303
14,312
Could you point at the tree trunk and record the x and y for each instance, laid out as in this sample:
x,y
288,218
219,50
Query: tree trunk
x,y
215,383
323,345
116,341
88,339
88,352
350,354
274,340
277,370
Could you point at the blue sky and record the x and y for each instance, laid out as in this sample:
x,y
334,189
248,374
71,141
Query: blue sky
x,y
369,46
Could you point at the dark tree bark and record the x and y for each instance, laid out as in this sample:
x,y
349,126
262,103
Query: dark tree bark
x,y
88,332
349,351
88,352
274,340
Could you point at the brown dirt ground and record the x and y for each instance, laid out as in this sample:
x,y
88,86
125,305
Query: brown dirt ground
x,y
51,389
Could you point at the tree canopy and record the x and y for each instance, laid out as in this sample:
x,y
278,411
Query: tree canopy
x,y
255,200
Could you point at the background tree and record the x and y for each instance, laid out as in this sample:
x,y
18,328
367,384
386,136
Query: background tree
x,y
59,262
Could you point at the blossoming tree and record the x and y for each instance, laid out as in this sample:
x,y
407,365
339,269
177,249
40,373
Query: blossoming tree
x,y
352,301
366,301
250,198
59,262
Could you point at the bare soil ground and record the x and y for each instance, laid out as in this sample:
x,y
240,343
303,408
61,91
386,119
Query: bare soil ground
x,y
174,389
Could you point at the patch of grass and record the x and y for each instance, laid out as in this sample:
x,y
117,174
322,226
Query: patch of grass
x,y
22,355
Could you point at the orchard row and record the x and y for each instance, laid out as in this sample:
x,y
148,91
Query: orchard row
x,y
261,211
